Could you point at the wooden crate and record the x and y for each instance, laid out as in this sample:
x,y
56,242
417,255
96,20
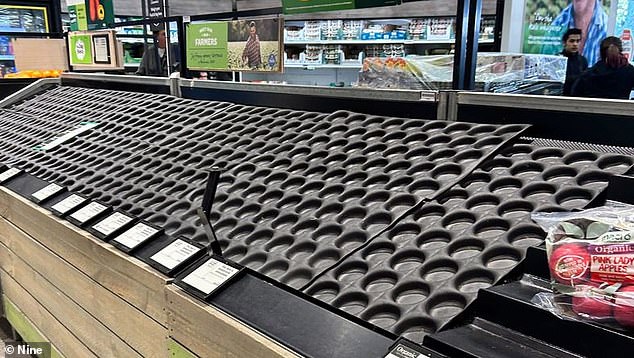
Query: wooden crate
x,y
63,277
129,278
207,332
89,299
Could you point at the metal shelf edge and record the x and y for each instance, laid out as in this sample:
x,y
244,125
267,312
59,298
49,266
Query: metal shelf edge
x,y
357,93
551,103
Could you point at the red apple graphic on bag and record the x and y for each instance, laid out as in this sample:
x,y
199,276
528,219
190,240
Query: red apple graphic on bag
x,y
591,301
569,263
624,306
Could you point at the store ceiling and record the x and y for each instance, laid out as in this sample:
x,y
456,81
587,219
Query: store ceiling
x,y
196,7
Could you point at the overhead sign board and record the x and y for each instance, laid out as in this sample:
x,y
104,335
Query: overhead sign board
x,y
156,9
241,45
90,14
305,6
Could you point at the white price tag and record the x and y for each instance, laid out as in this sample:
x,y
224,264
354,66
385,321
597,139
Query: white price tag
x,y
8,174
174,254
88,212
81,128
210,276
47,192
402,351
135,235
68,204
112,223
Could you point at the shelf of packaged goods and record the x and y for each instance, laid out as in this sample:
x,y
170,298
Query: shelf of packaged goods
x,y
375,42
7,57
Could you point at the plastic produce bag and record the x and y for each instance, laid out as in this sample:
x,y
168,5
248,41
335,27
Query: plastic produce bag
x,y
591,262
495,72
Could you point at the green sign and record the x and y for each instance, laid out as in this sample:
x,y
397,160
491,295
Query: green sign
x,y
304,6
100,13
207,47
80,49
90,14
359,4
77,14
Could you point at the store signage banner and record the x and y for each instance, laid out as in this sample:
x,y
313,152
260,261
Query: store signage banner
x,y
625,25
100,14
305,6
545,22
94,49
77,14
359,4
80,49
155,9
207,45
90,14
243,45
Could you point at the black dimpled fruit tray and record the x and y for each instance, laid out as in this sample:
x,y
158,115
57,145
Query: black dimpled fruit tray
x,y
415,277
398,221
299,191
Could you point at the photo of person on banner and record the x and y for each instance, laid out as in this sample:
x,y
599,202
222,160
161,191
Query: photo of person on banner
x,y
546,21
254,45
591,18
252,54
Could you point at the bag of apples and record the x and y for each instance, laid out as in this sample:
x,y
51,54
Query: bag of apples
x,y
591,261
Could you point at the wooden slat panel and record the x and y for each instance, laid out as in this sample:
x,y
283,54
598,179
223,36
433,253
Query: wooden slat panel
x,y
140,331
48,329
127,277
208,332
96,336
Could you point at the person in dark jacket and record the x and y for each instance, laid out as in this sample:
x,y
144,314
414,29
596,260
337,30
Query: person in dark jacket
x,y
154,60
611,77
576,62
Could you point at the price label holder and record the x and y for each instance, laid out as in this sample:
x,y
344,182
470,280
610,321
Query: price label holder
x,y
9,173
404,348
176,255
208,276
111,225
23,183
136,236
88,213
46,193
67,203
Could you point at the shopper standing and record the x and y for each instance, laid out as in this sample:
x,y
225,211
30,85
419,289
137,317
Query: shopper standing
x,y
576,62
154,60
251,53
612,77
589,16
